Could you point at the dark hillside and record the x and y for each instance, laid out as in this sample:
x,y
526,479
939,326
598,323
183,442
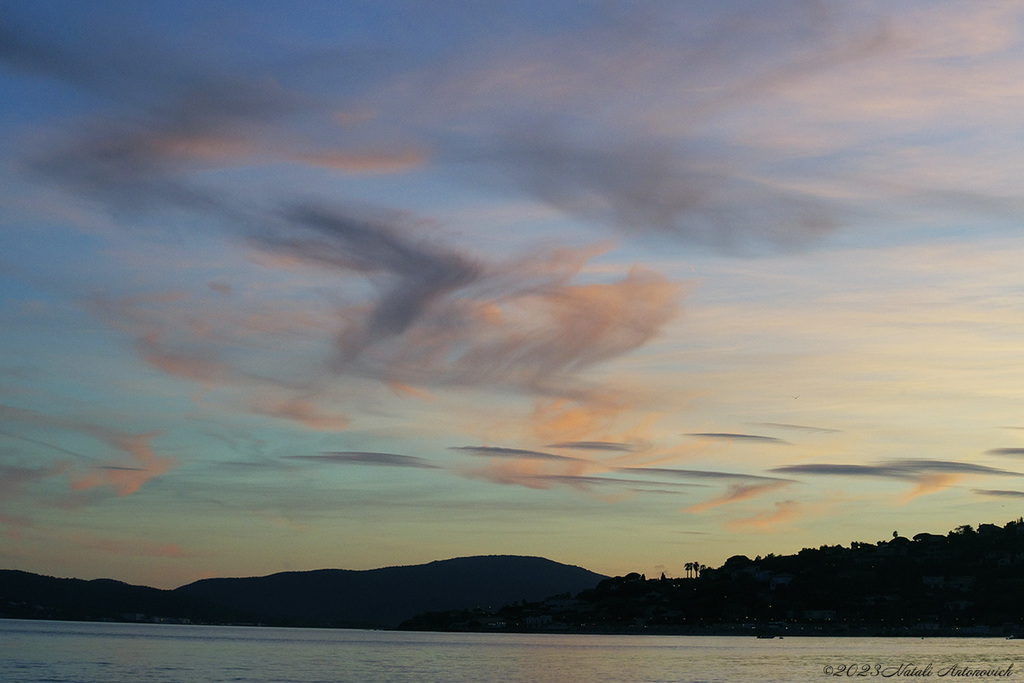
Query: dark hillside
x,y
967,582
382,598
30,596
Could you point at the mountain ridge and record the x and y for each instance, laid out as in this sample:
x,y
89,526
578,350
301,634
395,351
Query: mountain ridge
x,y
362,598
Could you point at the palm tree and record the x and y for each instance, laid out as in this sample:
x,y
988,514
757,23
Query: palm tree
x,y
689,567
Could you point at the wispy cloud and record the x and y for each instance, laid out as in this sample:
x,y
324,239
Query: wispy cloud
x,y
1005,451
145,465
367,458
699,474
729,436
124,475
741,486
594,446
738,492
785,511
303,411
799,428
499,452
999,493
928,475
896,469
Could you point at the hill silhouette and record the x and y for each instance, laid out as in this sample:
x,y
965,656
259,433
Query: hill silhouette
x,y
375,598
967,582
382,598
24,595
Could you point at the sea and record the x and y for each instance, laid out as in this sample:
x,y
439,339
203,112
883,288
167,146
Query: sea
x,y
87,652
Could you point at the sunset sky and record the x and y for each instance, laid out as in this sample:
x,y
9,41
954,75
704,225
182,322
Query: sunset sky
x,y
286,286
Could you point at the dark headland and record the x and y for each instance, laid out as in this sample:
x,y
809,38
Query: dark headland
x,y
968,582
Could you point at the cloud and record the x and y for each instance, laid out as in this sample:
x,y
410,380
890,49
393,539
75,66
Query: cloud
x,y
742,486
785,511
727,436
125,479
928,475
801,428
896,469
585,480
738,492
999,493
594,446
421,273
439,317
305,412
193,366
698,474
498,452
125,476
646,184
446,318
367,458
1005,451
366,162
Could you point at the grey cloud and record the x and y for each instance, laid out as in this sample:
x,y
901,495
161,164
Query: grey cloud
x,y
896,469
593,446
135,159
583,480
573,141
367,458
728,436
697,474
1005,451
422,273
655,186
428,323
843,470
801,428
498,452
998,493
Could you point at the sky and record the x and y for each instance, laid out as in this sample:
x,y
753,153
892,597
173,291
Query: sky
x,y
627,285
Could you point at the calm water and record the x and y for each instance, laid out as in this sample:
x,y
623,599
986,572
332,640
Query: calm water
x,y
34,652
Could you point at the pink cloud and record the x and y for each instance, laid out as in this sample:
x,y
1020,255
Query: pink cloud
x,y
365,162
303,411
125,476
932,483
189,366
737,493
785,512
126,479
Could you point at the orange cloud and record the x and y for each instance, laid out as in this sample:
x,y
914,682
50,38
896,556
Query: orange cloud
x,y
564,420
126,479
931,483
305,412
785,511
736,493
528,473
193,367
366,162
209,147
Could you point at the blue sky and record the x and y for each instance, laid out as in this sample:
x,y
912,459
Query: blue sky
x,y
625,285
